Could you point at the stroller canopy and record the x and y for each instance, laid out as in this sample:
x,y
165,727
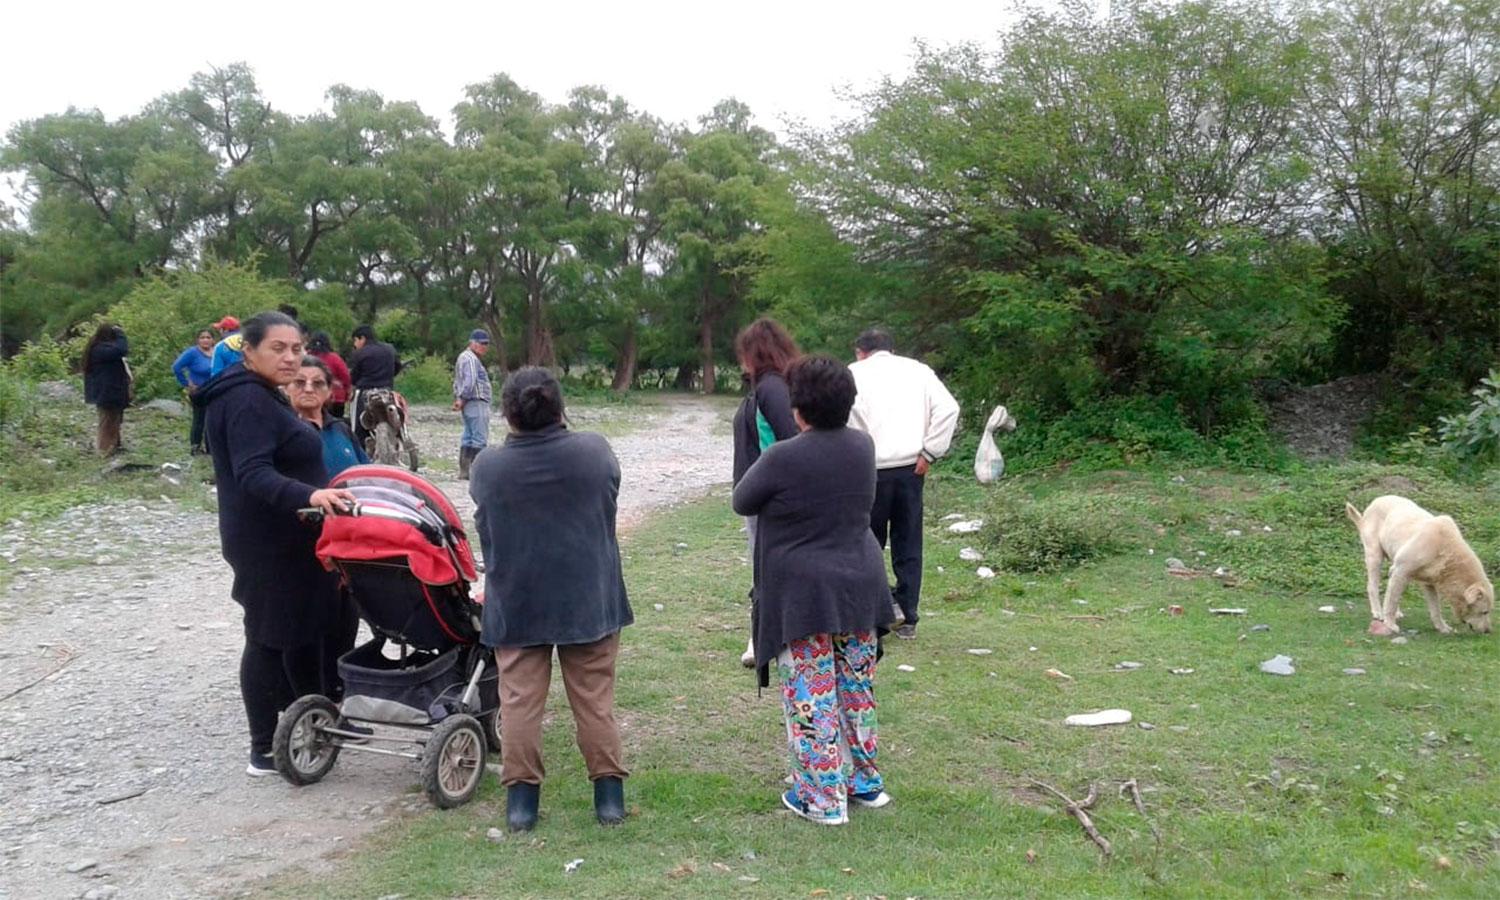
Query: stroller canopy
x,y
399,515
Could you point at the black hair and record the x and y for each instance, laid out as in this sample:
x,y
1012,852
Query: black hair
x,y
364,331
107,331
320,342
287,309
254,328
822,391
202,331
873,340
531,399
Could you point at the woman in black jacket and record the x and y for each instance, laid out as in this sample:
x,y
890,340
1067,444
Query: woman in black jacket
x,y
106,383
764,349
545,504
820,592
268,465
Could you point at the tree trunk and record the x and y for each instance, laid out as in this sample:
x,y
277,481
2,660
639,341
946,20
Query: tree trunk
x,y
625,363
539,350
706,351
491,318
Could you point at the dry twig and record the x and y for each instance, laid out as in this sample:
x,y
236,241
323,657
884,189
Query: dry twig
x,y
1133,788
1078,810
68,654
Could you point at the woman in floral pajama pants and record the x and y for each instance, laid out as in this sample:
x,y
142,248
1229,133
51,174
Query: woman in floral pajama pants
x,y
829,699
820,592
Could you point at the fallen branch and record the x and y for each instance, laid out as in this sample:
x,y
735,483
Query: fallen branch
x,y
1088,618
67,657
1077,809
1132,788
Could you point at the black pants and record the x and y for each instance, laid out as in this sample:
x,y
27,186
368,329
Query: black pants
x,y
272,677
195,433
896,518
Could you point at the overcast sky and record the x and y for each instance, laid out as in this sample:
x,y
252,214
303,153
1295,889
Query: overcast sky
x,y
673,59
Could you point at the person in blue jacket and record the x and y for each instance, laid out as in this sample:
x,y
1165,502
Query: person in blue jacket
x,y
193,369
310,392
231,347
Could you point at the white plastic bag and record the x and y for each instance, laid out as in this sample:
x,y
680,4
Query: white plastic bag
x,y
988,463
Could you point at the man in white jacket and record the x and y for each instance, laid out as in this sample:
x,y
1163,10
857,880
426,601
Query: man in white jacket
x,y
910,415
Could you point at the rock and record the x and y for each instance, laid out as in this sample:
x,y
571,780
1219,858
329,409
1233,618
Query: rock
x,y
985,572
1327,609
1278,665
979,651
968,526
1175,563
969,554
494,835
1180,729
659,607
1399,640
1221,572
1229,611
1058,674
572,866
163,405
952,517
905,668
1182,671
1128,666
1145,726
1175,610
171,468
102,892
1102,717
1178,479
1354,671
82,865
1234,532
1260,628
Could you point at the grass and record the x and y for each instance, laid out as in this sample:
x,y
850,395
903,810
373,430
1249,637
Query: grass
x,y
1320,783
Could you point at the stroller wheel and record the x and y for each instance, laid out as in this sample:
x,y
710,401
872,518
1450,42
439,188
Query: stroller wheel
x,y
454,762
491,721
303,752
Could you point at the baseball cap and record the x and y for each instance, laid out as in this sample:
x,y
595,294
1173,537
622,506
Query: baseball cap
x,y
228,323
479,336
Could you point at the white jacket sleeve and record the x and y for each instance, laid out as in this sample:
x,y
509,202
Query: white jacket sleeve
x,y
942,418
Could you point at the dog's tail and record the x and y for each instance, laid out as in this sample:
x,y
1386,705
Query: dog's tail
x,y
1354,515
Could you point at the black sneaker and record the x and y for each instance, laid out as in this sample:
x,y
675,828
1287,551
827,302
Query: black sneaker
x,y
907,632
261,765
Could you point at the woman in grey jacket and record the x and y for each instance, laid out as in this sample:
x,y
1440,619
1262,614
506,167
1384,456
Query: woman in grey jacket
x,y
546,502
820,592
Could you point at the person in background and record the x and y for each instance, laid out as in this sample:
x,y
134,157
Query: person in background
x,y
372,365
230,348
821,595
546,501
310,392
290,311
193,369
106,383
906,410
471,397
321,346
764,349
268,465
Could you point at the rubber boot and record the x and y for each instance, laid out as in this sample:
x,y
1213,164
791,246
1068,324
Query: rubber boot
x,y
609,800
465,458
521,803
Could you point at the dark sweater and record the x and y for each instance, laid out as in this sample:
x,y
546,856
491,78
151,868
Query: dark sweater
x,y
105,381
766,405
818,568
545,513
374,366
267,463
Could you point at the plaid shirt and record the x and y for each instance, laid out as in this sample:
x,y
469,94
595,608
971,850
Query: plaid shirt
x,y
470,380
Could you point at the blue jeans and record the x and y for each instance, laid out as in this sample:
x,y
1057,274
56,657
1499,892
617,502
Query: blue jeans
x,y
476,415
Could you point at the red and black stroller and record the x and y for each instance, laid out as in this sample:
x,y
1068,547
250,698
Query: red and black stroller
x,y
403,557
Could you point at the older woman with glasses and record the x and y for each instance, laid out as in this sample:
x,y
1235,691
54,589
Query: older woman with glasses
x,y
309,392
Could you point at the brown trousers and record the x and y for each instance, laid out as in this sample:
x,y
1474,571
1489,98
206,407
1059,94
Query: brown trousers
x,y
110,420
588,672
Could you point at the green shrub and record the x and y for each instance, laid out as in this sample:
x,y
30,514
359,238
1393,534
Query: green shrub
x,y
1473,438
428,381
1059,532
41,360
16,398
326,309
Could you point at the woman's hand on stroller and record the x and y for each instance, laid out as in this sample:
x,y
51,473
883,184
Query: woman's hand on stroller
x,y
332,501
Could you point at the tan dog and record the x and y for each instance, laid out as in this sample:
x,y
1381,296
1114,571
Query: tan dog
x,y
1426,549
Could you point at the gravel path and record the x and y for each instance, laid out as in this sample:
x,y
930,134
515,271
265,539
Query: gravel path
x,y
122,737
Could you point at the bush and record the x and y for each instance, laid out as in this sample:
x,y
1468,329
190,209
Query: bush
x,y
40,360
429,381
1063,531
1474,437
16,398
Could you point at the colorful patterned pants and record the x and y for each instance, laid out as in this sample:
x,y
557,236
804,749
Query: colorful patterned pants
x,y
828,695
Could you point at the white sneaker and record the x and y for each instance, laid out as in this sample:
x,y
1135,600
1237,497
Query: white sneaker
x,y
747,659
791,803
260,766
873,800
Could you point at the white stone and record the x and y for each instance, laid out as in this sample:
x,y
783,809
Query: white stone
x,y
905,668
968,526
1102,717
1327,609
985,572
969,554
1280,664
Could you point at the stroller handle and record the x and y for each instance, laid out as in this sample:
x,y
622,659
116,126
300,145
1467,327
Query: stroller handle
x,y
315,513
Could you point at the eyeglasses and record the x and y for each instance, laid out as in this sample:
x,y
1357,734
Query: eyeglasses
x,y
303,384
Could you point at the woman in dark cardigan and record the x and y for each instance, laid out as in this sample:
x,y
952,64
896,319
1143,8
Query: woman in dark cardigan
x,y
106,383
545,514
820,592
268,465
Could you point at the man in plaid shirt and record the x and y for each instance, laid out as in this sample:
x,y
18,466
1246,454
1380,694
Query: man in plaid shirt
x,y
471,397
